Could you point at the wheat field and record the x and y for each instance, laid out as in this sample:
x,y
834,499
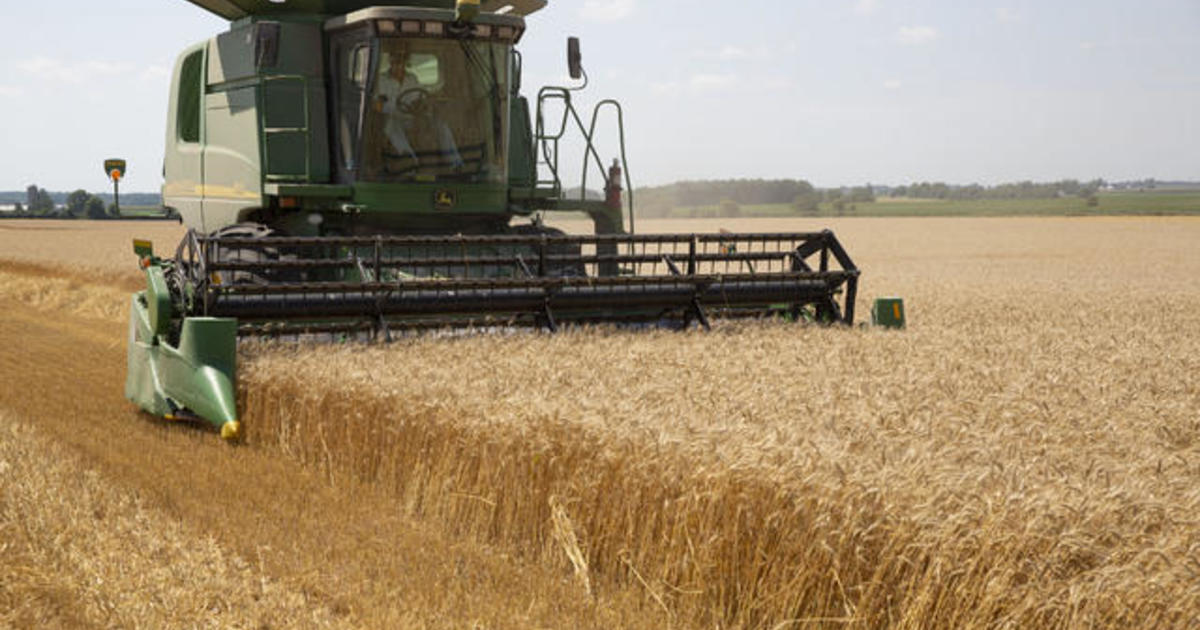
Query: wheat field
x,y
1025,454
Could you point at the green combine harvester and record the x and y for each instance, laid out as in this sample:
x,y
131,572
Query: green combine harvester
x,y
360,168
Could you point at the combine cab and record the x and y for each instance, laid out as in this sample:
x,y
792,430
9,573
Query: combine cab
x,y
359,169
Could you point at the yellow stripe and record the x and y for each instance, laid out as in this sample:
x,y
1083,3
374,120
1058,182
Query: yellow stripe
x,y
896,310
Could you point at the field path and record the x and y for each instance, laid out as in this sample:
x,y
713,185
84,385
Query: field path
x,y
344,552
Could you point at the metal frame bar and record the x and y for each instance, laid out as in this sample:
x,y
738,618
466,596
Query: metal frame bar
x,y
398,282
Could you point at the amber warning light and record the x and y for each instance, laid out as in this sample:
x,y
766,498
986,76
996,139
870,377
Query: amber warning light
x,y
115,169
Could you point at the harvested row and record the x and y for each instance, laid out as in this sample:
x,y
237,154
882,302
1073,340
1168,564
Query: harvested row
x,y
78,552
98,248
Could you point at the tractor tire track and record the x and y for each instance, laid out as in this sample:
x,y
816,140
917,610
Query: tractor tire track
x,y
346,550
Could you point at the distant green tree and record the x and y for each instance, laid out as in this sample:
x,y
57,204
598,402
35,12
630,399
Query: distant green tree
x,y
113,211
807,203
18,208
806,200
44,204
77,203
38,201
95,208
1093,201
862,194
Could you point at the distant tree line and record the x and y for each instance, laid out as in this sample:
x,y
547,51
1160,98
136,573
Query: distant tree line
x,y
59,198
1016,190
79,204
726,197
37,202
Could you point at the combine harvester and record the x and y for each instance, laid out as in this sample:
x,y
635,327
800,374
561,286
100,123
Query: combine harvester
x,y
355,168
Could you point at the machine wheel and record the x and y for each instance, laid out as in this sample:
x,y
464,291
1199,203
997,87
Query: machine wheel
x,y
560,270
254,255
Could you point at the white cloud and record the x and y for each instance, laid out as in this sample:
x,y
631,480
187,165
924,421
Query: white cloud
x,y
62,72
711,81
1087,45
606,10
733,53
893,84
11,91
155,73
776,83
730,52
916,35
666,87
1007,14
866,7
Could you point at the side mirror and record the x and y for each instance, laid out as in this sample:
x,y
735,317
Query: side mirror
x,y
574,58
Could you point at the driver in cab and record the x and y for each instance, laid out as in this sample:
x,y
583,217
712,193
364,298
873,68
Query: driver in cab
x,y
406,106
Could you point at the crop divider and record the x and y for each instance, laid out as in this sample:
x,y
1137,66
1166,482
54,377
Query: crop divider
x,y
695,309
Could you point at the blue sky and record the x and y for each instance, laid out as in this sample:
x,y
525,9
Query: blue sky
x,y
837,92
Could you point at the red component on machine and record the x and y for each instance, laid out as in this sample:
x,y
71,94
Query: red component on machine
x,y
612,192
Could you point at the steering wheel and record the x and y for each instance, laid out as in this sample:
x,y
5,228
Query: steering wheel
x,y
412,101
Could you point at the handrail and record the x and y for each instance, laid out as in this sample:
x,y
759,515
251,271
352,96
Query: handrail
x,y
624,161
549,143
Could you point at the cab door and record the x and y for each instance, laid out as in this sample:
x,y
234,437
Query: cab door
x,y
350,72
183,163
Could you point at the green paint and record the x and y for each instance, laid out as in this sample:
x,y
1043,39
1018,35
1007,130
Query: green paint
x,y
115,164
888,312
195,375
143,248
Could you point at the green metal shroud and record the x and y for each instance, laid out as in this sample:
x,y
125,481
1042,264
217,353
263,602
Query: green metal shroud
x,y
190,373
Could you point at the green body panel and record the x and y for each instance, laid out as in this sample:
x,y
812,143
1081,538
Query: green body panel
x,y
522,165
310,191
888,312
418,199
158,301
196,376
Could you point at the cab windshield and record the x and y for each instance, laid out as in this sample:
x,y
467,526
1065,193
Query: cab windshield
x,y
437,110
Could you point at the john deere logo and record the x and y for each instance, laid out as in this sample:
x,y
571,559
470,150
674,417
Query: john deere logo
x,y
444,199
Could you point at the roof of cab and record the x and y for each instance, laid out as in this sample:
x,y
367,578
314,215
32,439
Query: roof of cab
x,y
238,9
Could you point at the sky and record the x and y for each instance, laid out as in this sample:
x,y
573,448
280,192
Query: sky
x,y
838,92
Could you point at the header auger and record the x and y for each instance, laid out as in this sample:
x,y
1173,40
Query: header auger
x,y
358,168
